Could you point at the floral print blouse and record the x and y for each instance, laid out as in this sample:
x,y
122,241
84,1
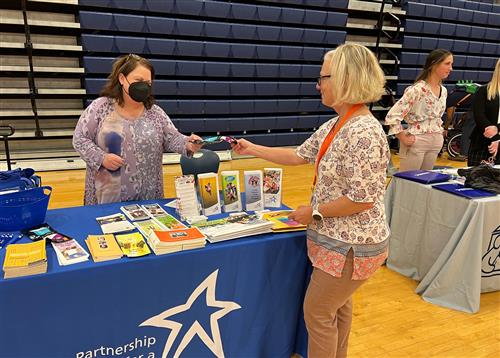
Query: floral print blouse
x,y
353,166
140,142
420,108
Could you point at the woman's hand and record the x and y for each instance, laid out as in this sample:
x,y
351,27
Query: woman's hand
x,y
112,161
406,138
493,148
194,147
243,147
490,131
303,214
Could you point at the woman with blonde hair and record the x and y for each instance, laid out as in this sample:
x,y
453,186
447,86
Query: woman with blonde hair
x,y
422,107
485,136
347,233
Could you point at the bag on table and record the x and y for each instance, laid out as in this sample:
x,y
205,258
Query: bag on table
x,y
18,179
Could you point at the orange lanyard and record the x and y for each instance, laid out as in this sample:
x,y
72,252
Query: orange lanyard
x,y
329,138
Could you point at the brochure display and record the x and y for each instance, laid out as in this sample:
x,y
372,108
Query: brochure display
x,y
209,193
187,200
231,190
254,194
272,187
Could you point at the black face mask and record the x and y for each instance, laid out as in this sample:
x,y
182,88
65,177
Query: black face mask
x,y
139,91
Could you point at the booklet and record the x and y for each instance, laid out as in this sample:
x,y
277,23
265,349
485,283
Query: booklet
x,y
281,221
209,193
25,259
154,210
134,212
254,194
103,247
68,250
187,199
133,245
461,190
272,187
424,176
114,223
231,190
146,226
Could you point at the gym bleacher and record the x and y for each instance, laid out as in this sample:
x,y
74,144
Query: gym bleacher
x,y
246,69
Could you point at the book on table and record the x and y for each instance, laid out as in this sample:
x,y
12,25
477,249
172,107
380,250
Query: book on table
x,y
423,176
159,215
68,250
133,244
281,221
103,247
115,223
235,226
134,212
167,241
25,259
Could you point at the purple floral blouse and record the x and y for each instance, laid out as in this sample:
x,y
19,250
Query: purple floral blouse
x,y
140,142
354,166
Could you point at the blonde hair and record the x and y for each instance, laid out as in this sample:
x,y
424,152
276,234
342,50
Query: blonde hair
x,y
356,76
494,84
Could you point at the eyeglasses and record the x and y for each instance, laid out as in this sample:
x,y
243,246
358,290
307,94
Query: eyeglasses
x,y
318,80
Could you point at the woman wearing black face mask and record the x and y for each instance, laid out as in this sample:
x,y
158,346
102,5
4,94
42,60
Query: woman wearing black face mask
x,y
122,136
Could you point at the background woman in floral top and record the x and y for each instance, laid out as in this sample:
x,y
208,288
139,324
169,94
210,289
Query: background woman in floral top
x,y
123,134
347,233
422,107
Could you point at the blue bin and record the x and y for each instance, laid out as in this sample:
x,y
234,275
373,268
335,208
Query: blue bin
x,y
24,209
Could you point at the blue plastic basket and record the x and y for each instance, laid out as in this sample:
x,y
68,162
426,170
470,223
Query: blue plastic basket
x,y
24,209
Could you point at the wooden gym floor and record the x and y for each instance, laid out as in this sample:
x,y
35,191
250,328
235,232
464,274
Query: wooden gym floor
x,y
390,319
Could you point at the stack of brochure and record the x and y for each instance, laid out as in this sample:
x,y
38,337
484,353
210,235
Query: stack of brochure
x,y
68,250
281,221
114,223
134,212
156,212
163,242
103,247
133,245
25,259
235,226
187,200
148,226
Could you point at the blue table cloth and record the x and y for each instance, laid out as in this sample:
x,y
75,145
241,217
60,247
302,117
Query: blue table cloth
x,y
239,298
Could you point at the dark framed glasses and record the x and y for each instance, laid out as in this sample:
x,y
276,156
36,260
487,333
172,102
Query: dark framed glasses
x,y
318,80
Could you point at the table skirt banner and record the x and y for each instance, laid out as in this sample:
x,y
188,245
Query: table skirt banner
x,y
448,243
239,298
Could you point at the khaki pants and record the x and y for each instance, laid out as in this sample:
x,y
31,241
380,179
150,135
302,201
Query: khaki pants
x,y
422,154
328,311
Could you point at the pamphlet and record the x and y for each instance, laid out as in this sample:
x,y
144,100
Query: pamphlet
x,y
209,193
114,223
272,187
254,194
231,190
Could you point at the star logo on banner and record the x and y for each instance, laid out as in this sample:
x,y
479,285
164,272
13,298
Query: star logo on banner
x,y
215,343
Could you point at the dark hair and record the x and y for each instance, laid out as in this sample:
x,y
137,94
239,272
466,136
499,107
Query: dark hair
x,y
126,64
435,57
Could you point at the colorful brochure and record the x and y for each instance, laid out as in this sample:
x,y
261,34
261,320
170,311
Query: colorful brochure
x,y
254,194
133,245
272,187
209,193
281,221
231,191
